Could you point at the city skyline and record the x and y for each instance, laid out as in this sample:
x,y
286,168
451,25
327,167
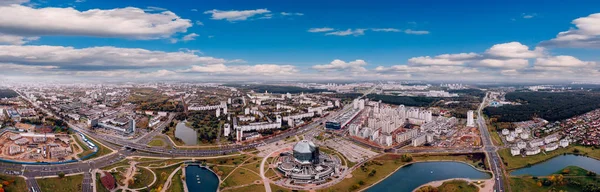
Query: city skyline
x,y
292,41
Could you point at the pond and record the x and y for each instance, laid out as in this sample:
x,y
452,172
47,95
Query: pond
x,y
186,134
411,176
200,179
558,163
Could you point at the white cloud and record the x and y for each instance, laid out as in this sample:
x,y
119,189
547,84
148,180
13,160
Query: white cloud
x,y
514,50
562,61
506,64
190,37
444,59
585,35
199,23
250,70
291,14
125,74
152,8
13,2
234,15
355,32
99,58
339,65
415,32
318,30
194,10
15,40
386,29
127,22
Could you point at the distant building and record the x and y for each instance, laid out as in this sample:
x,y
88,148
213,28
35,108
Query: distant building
x,y
532,151
333,125
419,140
551,147
514,151
470,121
564,143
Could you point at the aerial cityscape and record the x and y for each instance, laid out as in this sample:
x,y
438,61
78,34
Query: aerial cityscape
x,y
287,96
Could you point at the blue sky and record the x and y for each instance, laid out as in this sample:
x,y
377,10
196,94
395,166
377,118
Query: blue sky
x,y
415,29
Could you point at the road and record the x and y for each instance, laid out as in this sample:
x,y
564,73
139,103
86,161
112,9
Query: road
x,y
490,150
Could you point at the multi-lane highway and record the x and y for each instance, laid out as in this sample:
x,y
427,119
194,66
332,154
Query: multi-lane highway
x,y
491,151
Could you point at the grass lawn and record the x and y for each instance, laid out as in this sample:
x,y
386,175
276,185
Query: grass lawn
x,y
162,175
99,186
496,138
223,171
270,173
255,166
101,150
278,188
16,183
457,186
157,142
515,162
573,171
142,178
240,177
235,160
253,188
66,184
528,184
176,183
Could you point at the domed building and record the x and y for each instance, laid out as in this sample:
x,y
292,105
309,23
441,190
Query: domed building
x,y
305,164
306,152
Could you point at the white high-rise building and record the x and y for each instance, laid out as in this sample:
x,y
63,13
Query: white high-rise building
x,y
470,121
218,112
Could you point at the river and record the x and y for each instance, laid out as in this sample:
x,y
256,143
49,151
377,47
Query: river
x,y
200,179
186,134
558,163
409,177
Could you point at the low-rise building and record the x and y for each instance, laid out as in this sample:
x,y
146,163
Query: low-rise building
x,y
532,151
551,147
505,132
14,149
551,138
521,144
536,143
514,151
564,142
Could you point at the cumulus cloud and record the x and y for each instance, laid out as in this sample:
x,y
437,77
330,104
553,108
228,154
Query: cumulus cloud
x,y
444,59
507,63
15,39
586,34
318,30
355,32
562,61
12,2
96,58
339,65
190,37
127,22
514,50
235,15
250,70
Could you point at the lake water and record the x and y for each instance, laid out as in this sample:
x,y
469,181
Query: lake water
x,y
558,163
186,134
409,177
200,179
